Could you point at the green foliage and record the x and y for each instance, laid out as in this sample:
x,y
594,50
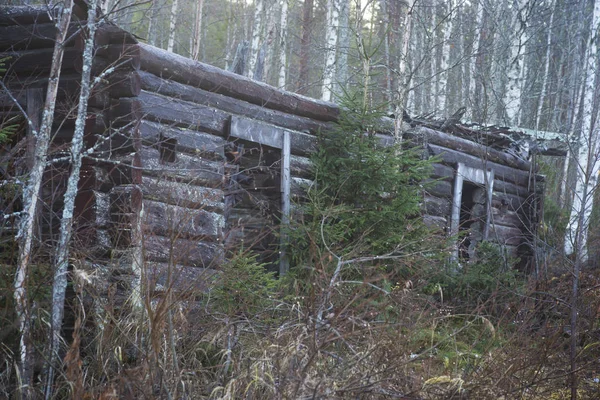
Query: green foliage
x,y
244,287
490,277
366,197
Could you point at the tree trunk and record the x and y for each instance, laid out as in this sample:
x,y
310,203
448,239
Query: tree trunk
x,y
256,36
343,47
197,30
173,25
538,115
331,38
444,54
307,17
30,198
283,27
403,84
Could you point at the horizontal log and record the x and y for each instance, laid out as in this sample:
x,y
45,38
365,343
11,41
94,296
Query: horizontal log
x,y
182,251
299,187
253,200
437,206
502,172
435,222
445,172
39,61
164,277
92,208
108,33
185,114
301,144
185,168
250,219
510,202
121,170
506,235
125,112
438,188
178,68
468,147
188,141
182,194
28,14
182,222
20,37
119,54
153,83
124,84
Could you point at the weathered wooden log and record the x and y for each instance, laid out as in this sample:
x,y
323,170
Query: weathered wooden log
x,y
165,277
108,33
153,83
187,141
435,222
502,172
125,208
436,206
119,54
299,187
182,113
250,219
468,147
28,14
185,168
118,171
182,251
20,37
438,188
28,63
441,171
506,235
124,84
301,144
182,194
172,66
182,222
510,202
92,208
125,111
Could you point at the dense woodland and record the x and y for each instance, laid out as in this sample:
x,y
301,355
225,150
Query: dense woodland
x,y
374,305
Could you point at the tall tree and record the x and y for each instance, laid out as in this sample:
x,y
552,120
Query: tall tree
x,y
283,27
173,25
197,38
331,39
305,42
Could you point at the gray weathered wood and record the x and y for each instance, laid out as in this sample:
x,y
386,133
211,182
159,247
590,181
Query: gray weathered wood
x,y
182,222
182,251
172,66
188,141
182,194
183,279
153,83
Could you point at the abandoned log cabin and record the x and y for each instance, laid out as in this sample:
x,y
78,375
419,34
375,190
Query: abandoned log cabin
x,y
189,160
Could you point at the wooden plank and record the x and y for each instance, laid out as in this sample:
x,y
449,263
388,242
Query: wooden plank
x,y
153,83
270,135
178,68
502,172
181,113
188,141
182,194
284,262
182,222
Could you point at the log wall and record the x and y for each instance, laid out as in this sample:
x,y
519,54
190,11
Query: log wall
x,y
187,157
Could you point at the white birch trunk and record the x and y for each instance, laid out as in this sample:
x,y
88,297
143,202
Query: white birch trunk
x,y
59,285
30,198
542,98
331,38
403,83
172,25
343,46
477,36
588,162
283,26
512,97
256,35
197,30
442,84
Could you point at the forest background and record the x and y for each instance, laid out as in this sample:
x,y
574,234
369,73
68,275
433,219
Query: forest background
x,y
408,332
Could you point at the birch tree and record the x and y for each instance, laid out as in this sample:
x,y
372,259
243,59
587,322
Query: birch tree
x,y
31,191
403,84
446,21
173,25
256,35
343,46
516,70
283,27
197,30
59,285
331,47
